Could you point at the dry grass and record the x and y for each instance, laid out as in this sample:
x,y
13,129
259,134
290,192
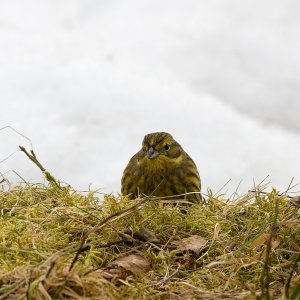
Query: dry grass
x,y
56,243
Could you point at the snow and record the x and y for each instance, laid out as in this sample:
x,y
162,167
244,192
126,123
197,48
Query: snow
x,y
85,80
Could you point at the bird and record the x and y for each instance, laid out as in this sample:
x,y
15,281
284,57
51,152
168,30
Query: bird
x,y
162,169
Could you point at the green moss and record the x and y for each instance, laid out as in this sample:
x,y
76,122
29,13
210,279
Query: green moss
x,y
42,227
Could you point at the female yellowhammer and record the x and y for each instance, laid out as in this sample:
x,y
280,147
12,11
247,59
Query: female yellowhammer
x,y
161,168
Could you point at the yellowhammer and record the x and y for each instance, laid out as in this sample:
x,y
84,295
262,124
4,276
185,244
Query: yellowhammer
x,y
161,168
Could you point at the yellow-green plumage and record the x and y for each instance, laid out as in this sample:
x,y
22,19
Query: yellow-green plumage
x,y
161,168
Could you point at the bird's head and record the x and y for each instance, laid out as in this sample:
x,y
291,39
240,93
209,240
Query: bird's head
x,y
161,146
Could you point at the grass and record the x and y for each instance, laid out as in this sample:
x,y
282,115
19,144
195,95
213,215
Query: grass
x,y
58,243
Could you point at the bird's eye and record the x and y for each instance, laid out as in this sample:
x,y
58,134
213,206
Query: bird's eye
x,y
167,147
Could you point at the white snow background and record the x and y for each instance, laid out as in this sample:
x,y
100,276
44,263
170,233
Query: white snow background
x,y
85,80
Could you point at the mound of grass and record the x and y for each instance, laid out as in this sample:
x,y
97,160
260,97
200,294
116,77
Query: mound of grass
x,y
56,243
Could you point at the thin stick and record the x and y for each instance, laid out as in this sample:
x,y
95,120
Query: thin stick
x,y
34,159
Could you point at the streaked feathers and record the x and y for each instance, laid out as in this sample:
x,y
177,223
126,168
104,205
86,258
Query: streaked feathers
x,y
172,172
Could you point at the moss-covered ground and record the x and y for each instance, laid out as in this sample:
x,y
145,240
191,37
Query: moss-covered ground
x,y
57,243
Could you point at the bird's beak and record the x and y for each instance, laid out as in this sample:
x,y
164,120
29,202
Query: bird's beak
x,y
151,153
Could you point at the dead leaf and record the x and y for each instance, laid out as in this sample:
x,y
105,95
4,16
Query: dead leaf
x,y
113,273
262,239
295,247
276,242
144,234
134,263
283,264
296,201
194,243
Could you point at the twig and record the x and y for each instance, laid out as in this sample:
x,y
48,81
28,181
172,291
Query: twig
x,y
34,159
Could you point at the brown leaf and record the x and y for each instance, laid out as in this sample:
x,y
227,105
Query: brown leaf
x,y
134,263
194,243
275,243
296,201
144,234
113,273
295,247
262,239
